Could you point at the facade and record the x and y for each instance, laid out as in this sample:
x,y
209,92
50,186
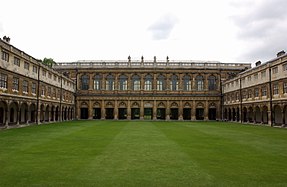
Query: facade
x,y
258,95
31,92
149,90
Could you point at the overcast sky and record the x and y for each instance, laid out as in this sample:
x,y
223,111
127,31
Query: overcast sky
x,y
222,30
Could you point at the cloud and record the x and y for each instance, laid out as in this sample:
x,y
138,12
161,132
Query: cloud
x,y
262,26
161,29
1,27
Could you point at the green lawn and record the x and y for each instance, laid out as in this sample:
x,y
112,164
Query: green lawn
x,y
136,153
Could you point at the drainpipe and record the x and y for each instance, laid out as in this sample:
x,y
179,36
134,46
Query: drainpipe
x,y
38,94
270,96
240,94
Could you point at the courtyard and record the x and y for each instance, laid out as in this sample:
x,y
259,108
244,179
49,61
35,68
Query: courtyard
x,y
143,153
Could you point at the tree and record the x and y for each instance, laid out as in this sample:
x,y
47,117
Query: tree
x,y
49,62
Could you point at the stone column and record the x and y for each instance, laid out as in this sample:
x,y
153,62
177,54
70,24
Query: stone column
x,y
103,110
167,110
116,111
90,110
142,110
91,82
7,114
180,110
78,111
116,81
154,110
206,110
129,110
269,118
193,108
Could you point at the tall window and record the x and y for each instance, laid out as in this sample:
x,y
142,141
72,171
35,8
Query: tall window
x,y
49,91
15,83
26,65
33,88
43,90
212,83
256,92
35,69
3,80
17,61
54,92
274,70
97,82
275,89
263,74
25,86
186,83
85,82
264,91
148,82
123,83
110,82
174,83
249,94
5,56
199,83
136,82
285,87
160,83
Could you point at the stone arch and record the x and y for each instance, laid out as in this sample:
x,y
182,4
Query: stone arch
x,y
258,118
285,115
212,111
199,111
278,118
265,115
225,114
13,108
33,112
161,105
84,110
47,113
42,112
3,112
135,105
174,105
186,113
229,114
233,114
57,112
97,105
122,104
52,113
244,114
23,115
250,115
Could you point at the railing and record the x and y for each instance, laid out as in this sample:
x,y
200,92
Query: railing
x,y
149,64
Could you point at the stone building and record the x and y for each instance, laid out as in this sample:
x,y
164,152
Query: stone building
x,y
149,89
258,95
31,92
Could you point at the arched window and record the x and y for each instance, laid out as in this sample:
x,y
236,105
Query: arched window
x,y
123,84
186,83
136,83
148,82
97,82
160,83
174,83
199,83
110,82
211,83
85,82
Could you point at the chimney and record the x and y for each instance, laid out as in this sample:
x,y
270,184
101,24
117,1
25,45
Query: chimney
x,y
281,53
6,39
258,63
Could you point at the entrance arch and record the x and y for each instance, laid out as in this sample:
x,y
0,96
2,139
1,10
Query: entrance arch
x,y
278,118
